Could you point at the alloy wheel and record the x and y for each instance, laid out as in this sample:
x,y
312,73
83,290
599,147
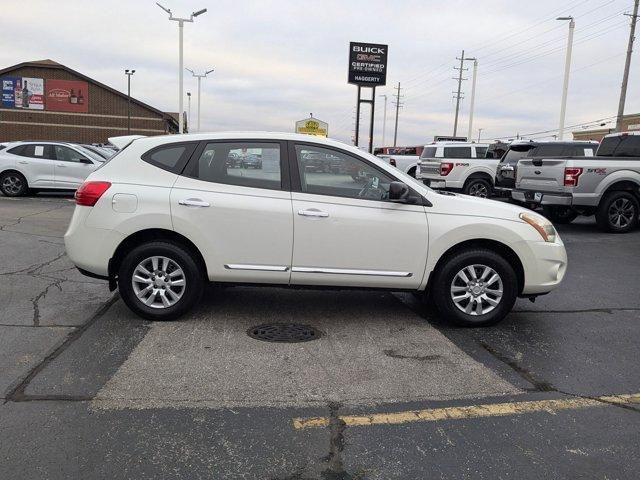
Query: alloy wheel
x,y
158,282
479,189
621,213
12,184
476,290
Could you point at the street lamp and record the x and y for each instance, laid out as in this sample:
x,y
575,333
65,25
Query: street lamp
x,y
128,73
384,120
180,58
567,68
189,110
199,76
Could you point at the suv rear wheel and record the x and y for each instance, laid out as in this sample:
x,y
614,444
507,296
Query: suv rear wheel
x,y
618,212
475,288
477,187
160,280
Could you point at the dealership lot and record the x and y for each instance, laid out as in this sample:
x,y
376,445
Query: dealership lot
x,y
90,390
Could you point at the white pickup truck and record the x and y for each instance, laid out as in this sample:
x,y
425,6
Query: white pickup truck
x,y
403,158
458,166
607,184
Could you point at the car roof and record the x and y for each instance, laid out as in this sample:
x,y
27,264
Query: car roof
x,y
46,142
621,134
457,144
535,143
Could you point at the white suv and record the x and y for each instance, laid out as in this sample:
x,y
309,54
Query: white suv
x,y
167,214
458,166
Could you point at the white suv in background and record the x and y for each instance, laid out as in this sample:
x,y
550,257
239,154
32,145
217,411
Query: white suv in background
x,y
31,166
169,213
458,166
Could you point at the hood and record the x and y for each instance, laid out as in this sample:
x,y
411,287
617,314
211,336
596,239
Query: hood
x,y
458,204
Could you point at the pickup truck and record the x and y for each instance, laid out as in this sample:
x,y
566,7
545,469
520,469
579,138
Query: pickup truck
x,y
518,149
458,166
403,158
607,184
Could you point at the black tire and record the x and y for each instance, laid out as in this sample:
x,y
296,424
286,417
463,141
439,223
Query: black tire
x,y
13,184
559,215
443,282
193,275
412,172
618,212
478,187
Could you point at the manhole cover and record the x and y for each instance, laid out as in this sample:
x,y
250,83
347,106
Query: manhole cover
x,y
284,332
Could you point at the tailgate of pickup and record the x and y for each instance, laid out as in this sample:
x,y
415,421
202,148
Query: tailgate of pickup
x,y
545,175
429,167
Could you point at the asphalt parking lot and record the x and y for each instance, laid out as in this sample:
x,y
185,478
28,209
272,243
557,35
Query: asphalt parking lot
x,y
388,391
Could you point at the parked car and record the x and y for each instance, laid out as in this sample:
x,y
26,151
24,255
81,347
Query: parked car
x,y
403,158
101,151
234,160
32,166
163,217
607,184
251,161
460,166
506,171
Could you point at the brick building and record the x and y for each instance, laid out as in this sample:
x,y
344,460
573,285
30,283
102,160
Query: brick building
x,y
630,123
44,100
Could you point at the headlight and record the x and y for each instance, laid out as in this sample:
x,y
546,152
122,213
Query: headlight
x,y
543,226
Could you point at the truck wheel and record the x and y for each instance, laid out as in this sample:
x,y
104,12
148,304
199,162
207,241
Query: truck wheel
x,y
477,187
475,288
412,172
559,215
618,212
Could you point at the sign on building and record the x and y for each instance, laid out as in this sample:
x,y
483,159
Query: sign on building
x,y
367,64
67,96
25,92
312,126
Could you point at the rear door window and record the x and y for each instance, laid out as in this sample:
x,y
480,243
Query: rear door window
x,y
481,152
457,152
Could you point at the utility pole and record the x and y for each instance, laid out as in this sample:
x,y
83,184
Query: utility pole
x,y
567,70
395,132
479,133
199,76
128,73
458,94
180,59
384,120
627,65
473,97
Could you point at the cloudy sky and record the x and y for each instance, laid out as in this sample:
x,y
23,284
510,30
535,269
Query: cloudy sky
x,y
277,61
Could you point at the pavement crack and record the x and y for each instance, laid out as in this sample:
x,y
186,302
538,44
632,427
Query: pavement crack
x,y
335,464
538,384
421,358
35,300
602,400
17,394
18,220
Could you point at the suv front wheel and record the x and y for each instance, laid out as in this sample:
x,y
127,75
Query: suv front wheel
x,y
160,280
475,288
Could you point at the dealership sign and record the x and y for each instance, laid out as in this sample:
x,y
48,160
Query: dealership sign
x,y
367,64
313,126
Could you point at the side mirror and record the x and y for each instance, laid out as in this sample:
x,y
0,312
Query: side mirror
x,y
85,160
398,192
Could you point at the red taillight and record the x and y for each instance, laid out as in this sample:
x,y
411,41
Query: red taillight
x,y
90,192
392,162
571,176
445,169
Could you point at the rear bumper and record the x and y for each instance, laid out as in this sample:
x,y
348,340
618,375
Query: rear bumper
x,y
542,198
440,183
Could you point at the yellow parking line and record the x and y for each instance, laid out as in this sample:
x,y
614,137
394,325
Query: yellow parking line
x,y
471,411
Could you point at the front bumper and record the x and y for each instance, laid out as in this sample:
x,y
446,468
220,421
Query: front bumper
x,y
542,198
545,265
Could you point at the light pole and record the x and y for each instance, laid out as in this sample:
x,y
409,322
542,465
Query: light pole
x,y
188,110
180,59
199,76
473,96
567,69
128,73
384,120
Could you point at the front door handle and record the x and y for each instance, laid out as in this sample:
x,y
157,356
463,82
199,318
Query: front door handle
x,y
61,165
194,202
313,212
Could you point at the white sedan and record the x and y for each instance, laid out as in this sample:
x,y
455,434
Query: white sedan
x,y
31,166
169,213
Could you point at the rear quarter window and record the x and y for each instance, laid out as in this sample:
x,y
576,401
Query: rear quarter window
x,y
171,157
457,152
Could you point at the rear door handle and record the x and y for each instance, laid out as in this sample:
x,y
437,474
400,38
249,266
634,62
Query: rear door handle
x,y
313,212
61,165
194,202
